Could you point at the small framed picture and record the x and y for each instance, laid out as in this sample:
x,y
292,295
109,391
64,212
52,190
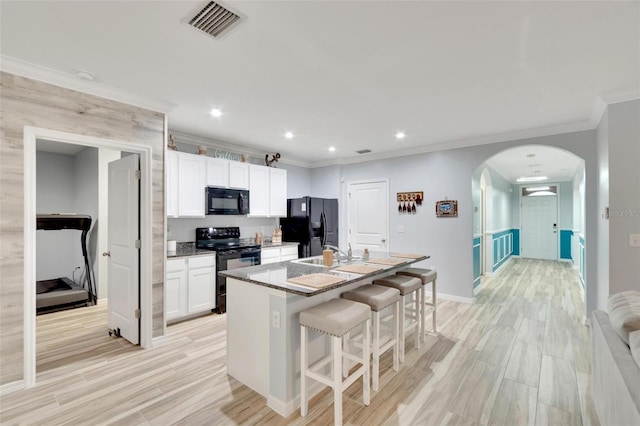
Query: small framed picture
x,y
447,208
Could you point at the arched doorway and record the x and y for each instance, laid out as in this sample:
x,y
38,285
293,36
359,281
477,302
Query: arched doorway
x,y
499,186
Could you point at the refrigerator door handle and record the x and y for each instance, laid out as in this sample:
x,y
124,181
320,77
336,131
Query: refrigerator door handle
x,y
323,229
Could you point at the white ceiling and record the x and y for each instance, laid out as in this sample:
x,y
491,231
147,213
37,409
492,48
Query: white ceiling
x,y
348,74
558,165
58,147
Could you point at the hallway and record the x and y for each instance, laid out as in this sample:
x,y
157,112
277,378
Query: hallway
x,y
517,356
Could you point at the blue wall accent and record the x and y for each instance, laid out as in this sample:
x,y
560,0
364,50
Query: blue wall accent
x,y
565,243
515,234
504,246
476,262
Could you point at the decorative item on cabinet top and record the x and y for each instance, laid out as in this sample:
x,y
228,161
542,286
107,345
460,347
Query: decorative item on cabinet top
x,y
172,143
274,159
408,201
447,208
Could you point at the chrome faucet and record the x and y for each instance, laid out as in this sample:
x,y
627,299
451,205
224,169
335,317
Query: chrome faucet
x,y
337,250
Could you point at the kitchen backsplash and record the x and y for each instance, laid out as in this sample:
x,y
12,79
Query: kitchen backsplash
x,y
183,229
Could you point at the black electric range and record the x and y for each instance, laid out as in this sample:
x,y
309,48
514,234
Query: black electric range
x,y
231,253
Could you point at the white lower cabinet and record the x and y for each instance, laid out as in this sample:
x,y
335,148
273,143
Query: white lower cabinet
x,y
175,289
278,254
190,286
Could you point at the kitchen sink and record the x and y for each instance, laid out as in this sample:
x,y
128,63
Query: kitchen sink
x,y
317,261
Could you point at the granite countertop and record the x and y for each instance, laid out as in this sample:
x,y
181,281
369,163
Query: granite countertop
x,y
188,249
275,275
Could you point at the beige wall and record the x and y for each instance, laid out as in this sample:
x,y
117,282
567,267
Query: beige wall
x,y
25,102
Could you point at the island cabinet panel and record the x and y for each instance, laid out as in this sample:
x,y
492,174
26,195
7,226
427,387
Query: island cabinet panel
x,y
263,338
248,335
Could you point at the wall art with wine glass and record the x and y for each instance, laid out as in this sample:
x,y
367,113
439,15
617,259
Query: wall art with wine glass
x,y
408,202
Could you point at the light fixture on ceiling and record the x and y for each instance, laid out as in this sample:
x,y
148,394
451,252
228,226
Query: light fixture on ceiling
x,y
288,135
541,193
537,188
533,175
531,179
216,113
400,135
332,149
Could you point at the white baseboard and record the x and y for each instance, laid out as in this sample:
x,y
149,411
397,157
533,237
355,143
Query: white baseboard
x,y
586,321
566,260
159,341
285,409
8,388
477,288
501,267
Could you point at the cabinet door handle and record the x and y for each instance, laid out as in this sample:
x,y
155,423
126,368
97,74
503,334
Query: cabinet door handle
x,y
107,253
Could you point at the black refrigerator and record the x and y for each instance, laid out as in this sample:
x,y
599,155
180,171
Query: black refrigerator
x,y
311,222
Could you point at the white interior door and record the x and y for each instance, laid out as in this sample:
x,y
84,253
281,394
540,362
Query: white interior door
x,y
369,215
124,256
539,233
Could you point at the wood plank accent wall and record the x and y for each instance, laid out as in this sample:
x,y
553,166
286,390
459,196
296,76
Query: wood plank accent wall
x,y
26,102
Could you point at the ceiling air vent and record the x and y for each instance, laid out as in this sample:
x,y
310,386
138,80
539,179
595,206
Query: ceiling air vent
x,y
213,19
363,151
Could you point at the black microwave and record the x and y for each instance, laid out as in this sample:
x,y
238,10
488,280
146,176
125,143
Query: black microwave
x,y
227,201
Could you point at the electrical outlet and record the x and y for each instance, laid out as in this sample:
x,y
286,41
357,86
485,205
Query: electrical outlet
x,y
275,319
634,240
400,229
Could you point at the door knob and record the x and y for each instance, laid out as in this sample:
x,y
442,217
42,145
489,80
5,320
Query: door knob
x,y
107,253
383,240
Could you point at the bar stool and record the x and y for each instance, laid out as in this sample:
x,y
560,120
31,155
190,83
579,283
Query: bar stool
x,y
407,286
426,276
335,318
378,298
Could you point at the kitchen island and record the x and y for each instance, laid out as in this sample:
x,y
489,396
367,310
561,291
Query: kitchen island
x,y
263,333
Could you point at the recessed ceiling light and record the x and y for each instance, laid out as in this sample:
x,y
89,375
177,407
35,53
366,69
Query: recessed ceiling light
x,y
400,135
288,135
216,112
531,178
332,148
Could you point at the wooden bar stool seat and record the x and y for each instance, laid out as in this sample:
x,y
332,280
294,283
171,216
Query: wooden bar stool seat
x,y
427,276
379,298
406,285
334,318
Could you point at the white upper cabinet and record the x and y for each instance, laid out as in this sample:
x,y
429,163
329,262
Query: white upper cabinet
x,y
223,173
258,190
191,183
277,192
217,172
267,191
238,175
171,168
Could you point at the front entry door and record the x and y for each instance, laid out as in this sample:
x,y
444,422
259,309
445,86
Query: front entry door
x,y
540,227
124,254
369,215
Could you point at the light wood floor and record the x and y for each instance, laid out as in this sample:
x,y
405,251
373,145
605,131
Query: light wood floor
x,y
517,356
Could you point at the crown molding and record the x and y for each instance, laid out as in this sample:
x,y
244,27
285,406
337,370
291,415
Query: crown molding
x,y
196,140
465,143
22,68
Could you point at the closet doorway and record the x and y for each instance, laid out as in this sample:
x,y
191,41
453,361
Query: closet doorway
x,y
103,312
